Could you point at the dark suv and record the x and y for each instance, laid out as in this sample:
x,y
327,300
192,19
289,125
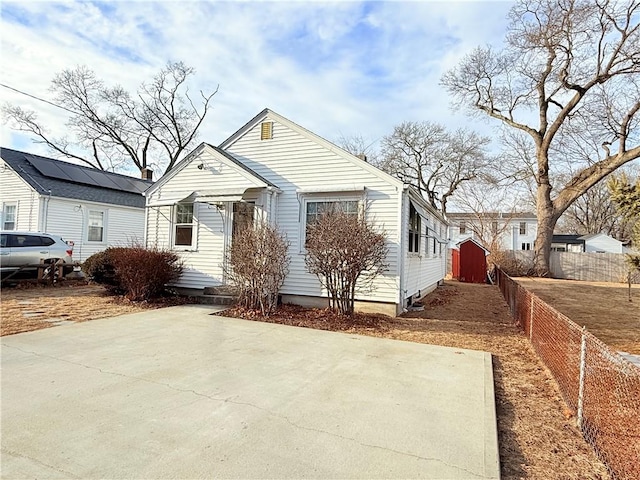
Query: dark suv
x,y
28,249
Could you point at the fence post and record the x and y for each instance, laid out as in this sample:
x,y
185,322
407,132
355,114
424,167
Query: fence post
x,y
531,321
583,358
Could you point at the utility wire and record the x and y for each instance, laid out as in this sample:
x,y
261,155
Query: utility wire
x,y
38,98
56,105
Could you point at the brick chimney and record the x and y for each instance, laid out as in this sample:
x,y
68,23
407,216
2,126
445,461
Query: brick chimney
x,y
147,174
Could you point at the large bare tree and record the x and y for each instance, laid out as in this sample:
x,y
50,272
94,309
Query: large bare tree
x,y
567,78
434,160
118,130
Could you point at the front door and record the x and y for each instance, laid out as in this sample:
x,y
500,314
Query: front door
x,y
243,217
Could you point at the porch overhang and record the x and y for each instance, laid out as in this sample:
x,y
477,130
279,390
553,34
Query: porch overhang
x,y
213,197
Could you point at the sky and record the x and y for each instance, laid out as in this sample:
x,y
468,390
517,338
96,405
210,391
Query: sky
x,y
339,69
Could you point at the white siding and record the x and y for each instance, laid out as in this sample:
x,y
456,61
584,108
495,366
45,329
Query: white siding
x,y
423,270
509,232
203,263
15,191
294,162
603,243
68,218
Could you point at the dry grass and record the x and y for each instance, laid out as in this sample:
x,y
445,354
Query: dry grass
x,y
33,307
538,438
604,308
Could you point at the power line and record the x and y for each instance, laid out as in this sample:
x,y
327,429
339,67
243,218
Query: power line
x,y
38,98
57,106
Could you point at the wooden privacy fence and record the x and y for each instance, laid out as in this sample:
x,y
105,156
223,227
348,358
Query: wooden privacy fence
x,y
593,267
600,386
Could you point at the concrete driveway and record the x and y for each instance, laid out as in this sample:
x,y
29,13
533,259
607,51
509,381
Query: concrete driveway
x,y
179,393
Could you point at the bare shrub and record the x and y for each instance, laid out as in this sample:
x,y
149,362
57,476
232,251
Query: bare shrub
x,y
257,264
346,253
510,263
138,273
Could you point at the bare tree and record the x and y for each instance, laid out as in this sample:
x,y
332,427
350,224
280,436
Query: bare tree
x,y
568,79
257,264
360,147
435,161
346,252
120,130
594,212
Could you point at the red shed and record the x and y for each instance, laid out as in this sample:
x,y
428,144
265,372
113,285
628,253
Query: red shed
x,y
472,262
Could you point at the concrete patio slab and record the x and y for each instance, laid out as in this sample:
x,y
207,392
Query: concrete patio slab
x,y
179,393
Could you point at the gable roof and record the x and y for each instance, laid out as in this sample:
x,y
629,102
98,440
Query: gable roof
x,y
310,136
474,241
48,176
223,156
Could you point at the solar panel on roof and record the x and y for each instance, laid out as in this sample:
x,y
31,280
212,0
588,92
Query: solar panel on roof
x,y
47,168
123,183
78,175
86,176
102,179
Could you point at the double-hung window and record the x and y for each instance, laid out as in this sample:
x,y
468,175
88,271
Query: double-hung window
x,y
95,229
183,234
415,225
523,228
9,217
463,228
316,208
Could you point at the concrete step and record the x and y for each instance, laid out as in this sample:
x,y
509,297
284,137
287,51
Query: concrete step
x,y
217,299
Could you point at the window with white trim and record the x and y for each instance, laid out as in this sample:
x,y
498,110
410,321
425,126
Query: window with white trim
x,y
523,228
316,208
183,227
463,228
95,226
415,225
9,216
526,246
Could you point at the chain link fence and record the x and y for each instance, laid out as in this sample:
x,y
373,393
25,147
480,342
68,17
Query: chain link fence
x,y
601,388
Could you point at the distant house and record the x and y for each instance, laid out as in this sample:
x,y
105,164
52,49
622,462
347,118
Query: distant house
x,y
274,170
592,243
508,230
92,208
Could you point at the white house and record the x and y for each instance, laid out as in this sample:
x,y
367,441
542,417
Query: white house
x,y
592,243
511,231
92,208
273,169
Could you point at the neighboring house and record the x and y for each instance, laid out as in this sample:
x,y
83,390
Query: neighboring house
x,y
274,170
592,243
509,231
92,208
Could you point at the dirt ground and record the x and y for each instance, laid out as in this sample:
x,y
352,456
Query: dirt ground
x,y
537,436
604,308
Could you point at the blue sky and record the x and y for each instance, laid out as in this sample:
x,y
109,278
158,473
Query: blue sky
x,y
338,68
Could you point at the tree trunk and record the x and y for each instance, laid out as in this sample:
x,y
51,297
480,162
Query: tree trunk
x,y
547,219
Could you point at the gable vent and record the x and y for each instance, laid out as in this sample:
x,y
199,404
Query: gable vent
x,y
266,131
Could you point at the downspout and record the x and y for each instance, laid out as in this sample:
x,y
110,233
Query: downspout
x,y
401,246
45,212
146,221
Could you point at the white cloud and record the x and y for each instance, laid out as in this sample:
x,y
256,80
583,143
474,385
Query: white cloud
x,y
334,68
